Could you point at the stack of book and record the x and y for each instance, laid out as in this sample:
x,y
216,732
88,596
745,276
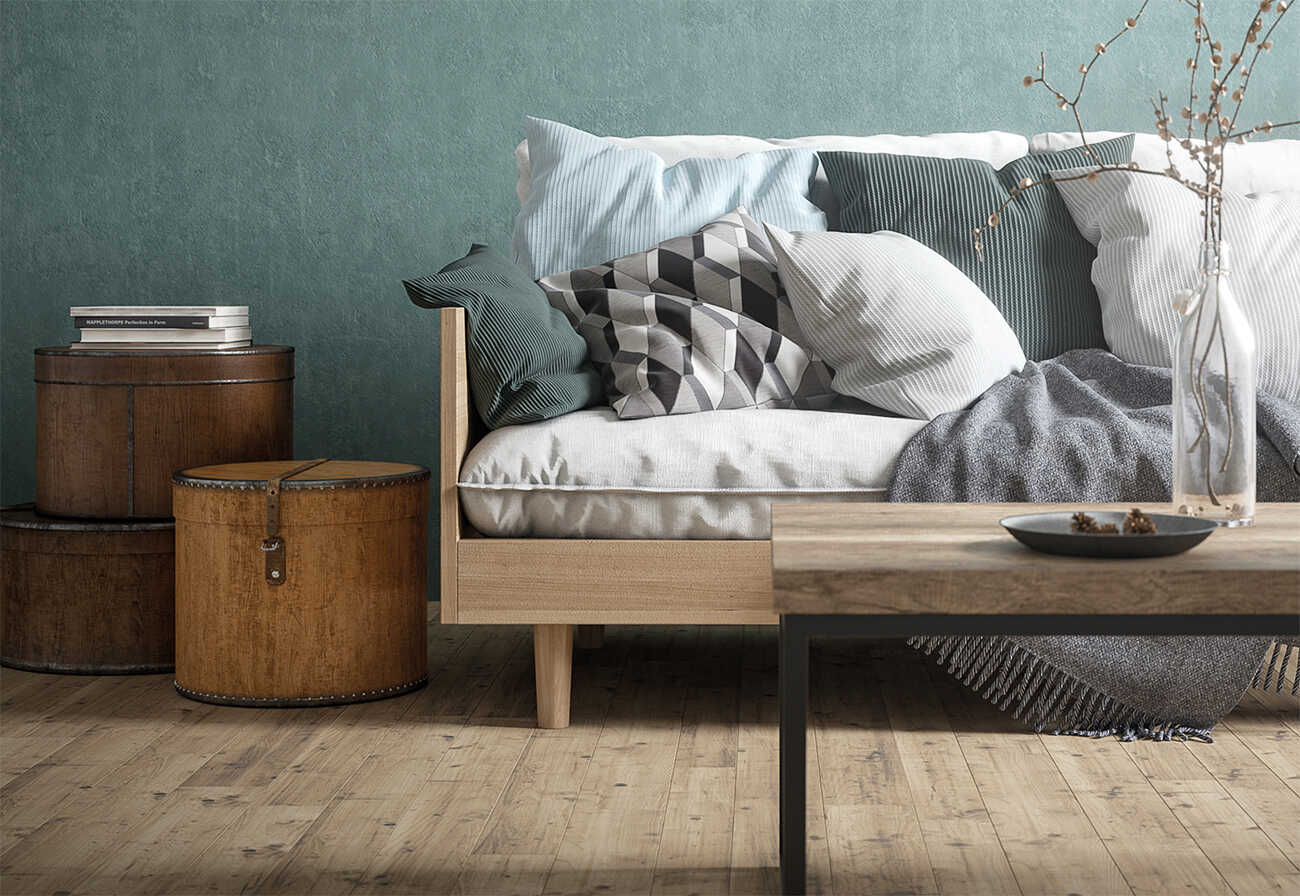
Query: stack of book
x,y
138,327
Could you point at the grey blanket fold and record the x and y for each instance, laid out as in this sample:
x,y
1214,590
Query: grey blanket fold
x,y
1087,427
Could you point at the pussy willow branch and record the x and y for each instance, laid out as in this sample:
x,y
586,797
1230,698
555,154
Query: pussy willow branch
x,y
1227,385
1262,45
1197,394
1099,50
1258,129
1193,65
1208,156
1101,168
1208,153
1162,120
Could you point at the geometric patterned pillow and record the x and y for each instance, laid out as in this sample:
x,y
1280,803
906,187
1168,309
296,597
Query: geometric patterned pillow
x,y
696,323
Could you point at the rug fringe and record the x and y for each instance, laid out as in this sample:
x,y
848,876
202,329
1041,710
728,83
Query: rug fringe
x,y
1271,674
1046,698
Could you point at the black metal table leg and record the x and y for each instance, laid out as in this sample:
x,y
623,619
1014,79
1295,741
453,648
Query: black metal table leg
x,y
794,754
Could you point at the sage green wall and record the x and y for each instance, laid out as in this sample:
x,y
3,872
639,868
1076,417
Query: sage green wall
x,y
301,158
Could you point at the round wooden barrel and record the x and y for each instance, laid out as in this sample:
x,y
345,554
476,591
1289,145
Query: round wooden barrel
x,y
112,426
333,612
85,596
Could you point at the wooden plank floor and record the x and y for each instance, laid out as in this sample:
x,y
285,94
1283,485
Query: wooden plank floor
x,y
666,783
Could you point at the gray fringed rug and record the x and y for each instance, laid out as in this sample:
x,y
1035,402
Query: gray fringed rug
x,y
1087,427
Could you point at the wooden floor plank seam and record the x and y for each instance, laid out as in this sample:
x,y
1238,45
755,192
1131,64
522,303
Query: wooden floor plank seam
x,y
915,665
1266,823
367,876
285,787
659,838
1154,792
972,701
106,853
586,770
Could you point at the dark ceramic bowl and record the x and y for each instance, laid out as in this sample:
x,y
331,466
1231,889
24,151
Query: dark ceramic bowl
x,y
1051,534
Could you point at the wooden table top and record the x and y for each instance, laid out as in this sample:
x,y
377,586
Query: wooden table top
x,y
956,558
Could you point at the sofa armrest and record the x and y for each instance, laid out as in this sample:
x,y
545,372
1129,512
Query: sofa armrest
x,y
456,435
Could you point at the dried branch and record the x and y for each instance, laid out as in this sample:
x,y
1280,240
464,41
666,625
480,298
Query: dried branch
x,y
1264,127
1207,152
1228,82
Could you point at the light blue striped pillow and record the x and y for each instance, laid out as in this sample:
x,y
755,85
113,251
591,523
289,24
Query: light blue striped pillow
x,y
591,201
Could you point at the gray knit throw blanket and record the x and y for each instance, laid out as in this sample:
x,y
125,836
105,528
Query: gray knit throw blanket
x,y
1086,427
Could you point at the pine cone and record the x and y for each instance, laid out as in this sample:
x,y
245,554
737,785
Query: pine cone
x,y
1138,523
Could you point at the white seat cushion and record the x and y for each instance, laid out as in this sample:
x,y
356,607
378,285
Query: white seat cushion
x,y
708,475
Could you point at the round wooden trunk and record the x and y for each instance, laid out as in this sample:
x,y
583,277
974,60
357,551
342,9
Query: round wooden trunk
x,y
112,427
86,596
343,617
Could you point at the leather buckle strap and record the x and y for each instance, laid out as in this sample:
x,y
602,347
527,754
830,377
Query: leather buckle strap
x,y
273,545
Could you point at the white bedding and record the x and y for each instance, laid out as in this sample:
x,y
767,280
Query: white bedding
x,y
707,475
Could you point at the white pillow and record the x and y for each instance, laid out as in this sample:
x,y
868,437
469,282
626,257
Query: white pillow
x,y
1148,235
1265,165
995,147
903,328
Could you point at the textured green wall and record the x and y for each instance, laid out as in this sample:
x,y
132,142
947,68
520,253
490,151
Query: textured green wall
x,y
302,157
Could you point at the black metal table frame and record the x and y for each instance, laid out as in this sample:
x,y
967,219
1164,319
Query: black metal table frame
x,y
797,630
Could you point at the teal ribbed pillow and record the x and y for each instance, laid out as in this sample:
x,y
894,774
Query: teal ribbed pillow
x,y
1037,266
525,362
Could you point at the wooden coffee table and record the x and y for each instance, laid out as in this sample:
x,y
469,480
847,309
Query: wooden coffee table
x,y
898,570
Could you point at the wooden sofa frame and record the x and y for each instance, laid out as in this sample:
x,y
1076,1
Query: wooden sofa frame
x,y
555,584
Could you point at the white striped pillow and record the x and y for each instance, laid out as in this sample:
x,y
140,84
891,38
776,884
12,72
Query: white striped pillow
x,y
1148,235
903,328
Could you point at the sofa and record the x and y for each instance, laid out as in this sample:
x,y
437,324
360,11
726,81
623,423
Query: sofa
x,y
590,518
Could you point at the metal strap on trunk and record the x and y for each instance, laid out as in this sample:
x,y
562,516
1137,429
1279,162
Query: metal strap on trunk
x,y
273,544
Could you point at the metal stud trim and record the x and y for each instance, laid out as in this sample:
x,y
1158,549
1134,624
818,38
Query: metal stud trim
x,y
303,701
246,485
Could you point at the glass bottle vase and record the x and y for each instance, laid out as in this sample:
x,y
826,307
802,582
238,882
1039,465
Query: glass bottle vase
x,y
1214,400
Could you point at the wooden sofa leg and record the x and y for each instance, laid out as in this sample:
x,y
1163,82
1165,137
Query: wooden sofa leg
x,y
589,637
553,658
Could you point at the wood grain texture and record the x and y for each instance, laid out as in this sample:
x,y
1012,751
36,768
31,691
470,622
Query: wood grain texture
x,y
664,783
956,558
112,427
511,580
456,414
348,621
958,833
86,596
100,418
184,426
553,662
1222,828
1044,833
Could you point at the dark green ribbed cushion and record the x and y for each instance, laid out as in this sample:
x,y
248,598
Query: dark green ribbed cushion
x,y
525,362
1037,267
